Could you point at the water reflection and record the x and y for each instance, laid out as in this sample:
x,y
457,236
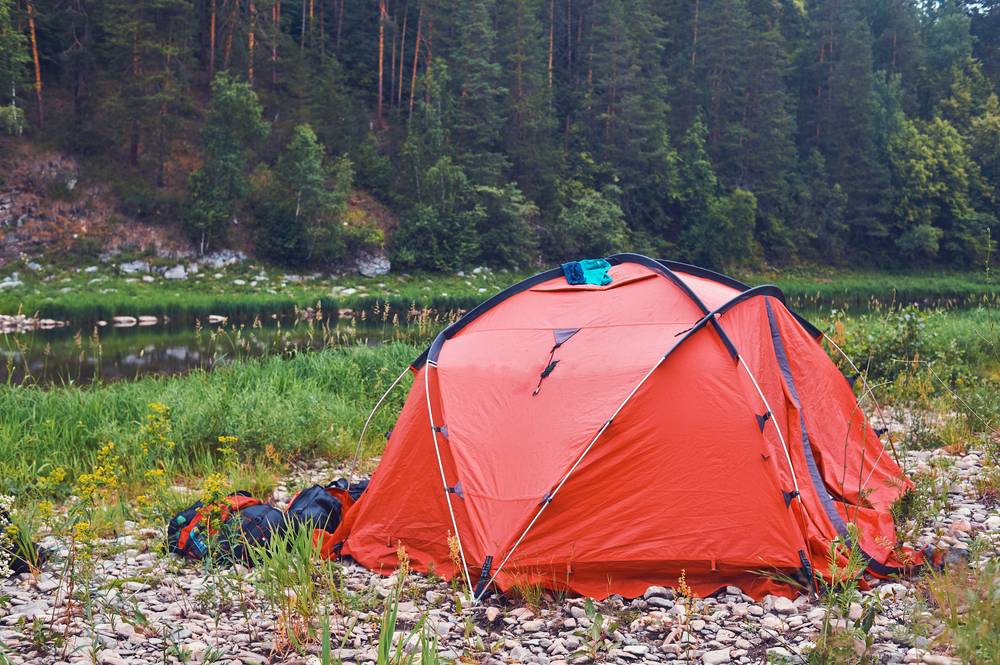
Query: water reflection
x,y
108,354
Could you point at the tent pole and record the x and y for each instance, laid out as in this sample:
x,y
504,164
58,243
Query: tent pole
x,y
868,391
781,437
444,481
364,430
565,477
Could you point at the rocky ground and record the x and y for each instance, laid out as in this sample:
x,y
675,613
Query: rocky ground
x,y
152,608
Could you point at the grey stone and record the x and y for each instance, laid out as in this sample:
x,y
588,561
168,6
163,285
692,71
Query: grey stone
x,y
177,272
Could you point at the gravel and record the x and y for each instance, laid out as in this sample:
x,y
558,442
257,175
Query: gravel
x,y
150,608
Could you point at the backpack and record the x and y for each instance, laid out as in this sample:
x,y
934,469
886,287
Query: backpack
x,y
322,508
254,526
187,532
315,508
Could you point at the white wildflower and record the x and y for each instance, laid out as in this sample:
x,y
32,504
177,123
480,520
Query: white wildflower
x,y
7,530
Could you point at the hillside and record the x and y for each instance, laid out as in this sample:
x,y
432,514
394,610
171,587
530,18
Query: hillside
x,y
507,133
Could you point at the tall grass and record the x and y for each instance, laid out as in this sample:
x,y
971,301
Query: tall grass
x,y
311,403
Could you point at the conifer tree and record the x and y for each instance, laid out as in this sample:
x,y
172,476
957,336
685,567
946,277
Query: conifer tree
x,y
838,116
218,188
478,118
530,125
627,121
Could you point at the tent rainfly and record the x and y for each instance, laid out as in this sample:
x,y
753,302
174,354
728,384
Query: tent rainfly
x,y
605,438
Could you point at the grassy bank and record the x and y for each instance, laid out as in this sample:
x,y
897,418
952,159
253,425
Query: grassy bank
x,y
315,403
311,404
241,291
245,290
818,288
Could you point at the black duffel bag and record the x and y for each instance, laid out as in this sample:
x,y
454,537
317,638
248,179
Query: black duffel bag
x,y
315,508
250,528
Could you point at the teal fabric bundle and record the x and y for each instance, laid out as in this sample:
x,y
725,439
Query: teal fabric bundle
x,y
587,271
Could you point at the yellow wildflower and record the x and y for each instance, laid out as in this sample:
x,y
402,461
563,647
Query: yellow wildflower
x,y
82,533
54,479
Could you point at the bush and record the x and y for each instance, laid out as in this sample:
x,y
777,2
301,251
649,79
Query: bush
x,y
590,223
427,240
12,120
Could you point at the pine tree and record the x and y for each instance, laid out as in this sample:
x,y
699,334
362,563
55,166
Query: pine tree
x,y
839,116
766,157
478,119
150,54
627,120
722,67
529,134
718,228
897,48
300,205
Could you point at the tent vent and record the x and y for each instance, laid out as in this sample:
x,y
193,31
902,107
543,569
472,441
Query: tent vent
x,y
457,490
484,577
789,496
443,430
762,419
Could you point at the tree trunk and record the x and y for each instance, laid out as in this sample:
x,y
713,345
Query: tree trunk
x,y
276,21
134,135
302,28
228,54
37,63
569,36
392,57
694,35
340,20
552,38
416,57
211,41
322,30
381,58
402,57
250,41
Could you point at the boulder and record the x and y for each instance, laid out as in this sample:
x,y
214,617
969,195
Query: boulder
x,y
177,272
371,264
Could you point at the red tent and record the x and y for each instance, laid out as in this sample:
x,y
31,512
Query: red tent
x,y
606,438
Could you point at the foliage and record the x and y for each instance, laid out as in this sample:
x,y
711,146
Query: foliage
x,y
500,132
234,123
300,204
590,222
13,59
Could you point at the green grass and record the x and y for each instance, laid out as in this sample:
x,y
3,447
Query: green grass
x,y
314,403
82,297
818,288
71,294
